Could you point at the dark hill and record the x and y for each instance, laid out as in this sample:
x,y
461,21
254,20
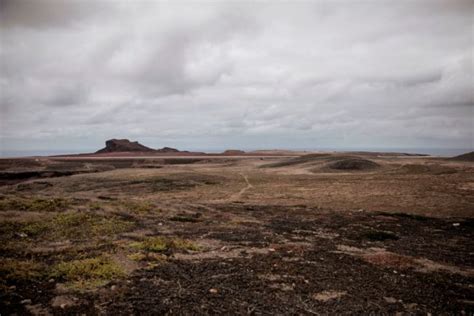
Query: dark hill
x,y
123,145
167,150
465,157
353,164
233,152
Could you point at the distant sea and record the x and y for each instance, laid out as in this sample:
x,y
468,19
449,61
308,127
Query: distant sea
x,y
442,152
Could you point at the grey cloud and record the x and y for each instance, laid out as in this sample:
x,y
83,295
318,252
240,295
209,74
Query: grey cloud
x,y
47,13
303,74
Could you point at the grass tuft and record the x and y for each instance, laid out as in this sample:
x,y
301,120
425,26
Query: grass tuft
x,y
20,270
162,244
88,273
139,207
34,205
73,225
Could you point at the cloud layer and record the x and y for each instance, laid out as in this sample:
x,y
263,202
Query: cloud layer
x,y
249,75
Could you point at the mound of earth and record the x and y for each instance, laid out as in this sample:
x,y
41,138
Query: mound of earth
x,y
123,145
465,157
310,158
167,150
233,152
353,164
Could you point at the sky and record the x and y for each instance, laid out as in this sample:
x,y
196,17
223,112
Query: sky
x,y
240,74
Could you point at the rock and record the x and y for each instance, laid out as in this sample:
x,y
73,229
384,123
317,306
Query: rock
x,y
21,235
213,291
390,300
26,301
328,295
123,145
456,224
64,301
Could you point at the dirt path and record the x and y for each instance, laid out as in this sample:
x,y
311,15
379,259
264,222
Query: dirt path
x,y
239,194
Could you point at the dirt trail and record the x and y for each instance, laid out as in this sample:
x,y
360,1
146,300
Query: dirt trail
x,y
239,194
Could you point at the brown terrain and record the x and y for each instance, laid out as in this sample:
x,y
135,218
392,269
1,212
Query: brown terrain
x,y
267,232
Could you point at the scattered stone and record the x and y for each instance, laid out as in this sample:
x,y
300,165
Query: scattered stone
x,y
26,301
213,291
328,295
64,301
390,300
456,224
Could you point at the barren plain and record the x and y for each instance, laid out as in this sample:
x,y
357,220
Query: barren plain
x,y
324,233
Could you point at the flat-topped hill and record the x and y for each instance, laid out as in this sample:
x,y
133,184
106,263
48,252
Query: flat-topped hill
x,y
123,145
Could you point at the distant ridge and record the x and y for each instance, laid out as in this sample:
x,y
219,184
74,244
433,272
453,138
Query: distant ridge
x,y
464,157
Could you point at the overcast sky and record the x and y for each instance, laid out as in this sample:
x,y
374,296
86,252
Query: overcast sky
x,y
203,75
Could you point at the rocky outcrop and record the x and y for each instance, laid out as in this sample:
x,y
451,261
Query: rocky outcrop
x,y
123,145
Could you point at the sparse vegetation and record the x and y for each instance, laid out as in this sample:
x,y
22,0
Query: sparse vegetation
x,y
150,256
34,205
96,206
145,241
88,273
20,270
162,244
73,225
139,207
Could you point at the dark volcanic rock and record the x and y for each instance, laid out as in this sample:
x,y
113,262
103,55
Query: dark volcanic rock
x,y
123,145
